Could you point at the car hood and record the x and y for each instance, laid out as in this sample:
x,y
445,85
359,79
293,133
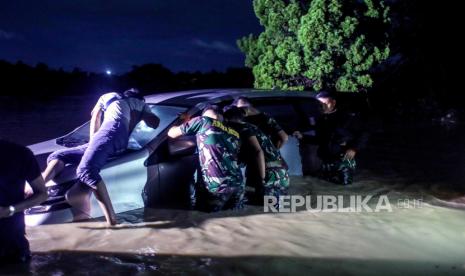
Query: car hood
x,y
45,147
42,150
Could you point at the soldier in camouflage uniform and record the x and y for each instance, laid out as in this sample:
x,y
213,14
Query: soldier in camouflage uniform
x,y
269,126
272,178
218,146
263,121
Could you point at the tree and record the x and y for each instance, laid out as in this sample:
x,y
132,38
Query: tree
x,y
317,44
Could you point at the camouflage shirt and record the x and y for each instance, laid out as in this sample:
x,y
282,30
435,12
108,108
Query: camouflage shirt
x,y
272,155
218,147
265,123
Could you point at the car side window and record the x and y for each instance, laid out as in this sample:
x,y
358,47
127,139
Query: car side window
x,y
309,107
283,112
142,134
308,110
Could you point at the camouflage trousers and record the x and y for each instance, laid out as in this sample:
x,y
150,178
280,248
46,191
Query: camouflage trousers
x,y
276,182
340,171
213,202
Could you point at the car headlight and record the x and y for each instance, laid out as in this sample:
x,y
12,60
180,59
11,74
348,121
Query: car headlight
x,y
37,209
56,199
59,190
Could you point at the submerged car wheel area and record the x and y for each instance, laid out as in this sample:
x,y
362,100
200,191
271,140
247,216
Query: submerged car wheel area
x,y
156,171
171,171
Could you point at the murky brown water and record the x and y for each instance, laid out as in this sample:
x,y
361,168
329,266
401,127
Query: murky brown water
x,y
419,240
404,163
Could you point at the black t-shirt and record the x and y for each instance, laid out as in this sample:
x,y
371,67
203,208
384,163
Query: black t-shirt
x,y
17,165
339,128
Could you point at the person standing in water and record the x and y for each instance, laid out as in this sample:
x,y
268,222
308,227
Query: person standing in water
x,y
340,138
17,165
113,118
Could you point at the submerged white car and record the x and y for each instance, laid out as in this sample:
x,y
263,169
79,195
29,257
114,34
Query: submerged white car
x,y
154,171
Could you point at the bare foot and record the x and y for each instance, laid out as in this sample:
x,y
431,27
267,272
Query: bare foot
x,y
112,221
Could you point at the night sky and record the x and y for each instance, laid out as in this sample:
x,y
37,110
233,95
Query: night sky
x,y
96,35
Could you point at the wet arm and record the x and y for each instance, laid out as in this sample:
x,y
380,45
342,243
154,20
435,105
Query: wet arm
x,y
174,132
39,196
188,128
279,135
282,139
151,120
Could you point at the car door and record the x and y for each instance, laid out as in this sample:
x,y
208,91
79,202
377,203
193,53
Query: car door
x,y
291,113
172,168
125,178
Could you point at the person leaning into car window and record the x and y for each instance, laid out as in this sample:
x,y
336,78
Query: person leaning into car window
x,y
218,146
113,118
263,121
17,165
271,171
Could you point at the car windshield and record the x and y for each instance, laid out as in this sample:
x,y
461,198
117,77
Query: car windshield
x,y
140,136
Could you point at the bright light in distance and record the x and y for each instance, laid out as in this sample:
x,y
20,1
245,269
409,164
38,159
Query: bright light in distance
x,y
108,72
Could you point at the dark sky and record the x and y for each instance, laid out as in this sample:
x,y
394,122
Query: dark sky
x,y
95,35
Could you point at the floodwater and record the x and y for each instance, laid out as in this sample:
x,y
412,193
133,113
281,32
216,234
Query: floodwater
x,y
417,167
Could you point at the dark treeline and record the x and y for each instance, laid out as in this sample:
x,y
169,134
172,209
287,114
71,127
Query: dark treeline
x,y
40,81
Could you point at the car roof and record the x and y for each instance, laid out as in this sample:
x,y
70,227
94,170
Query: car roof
x,y
192,98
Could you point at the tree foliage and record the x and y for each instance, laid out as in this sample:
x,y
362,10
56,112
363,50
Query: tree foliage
x,y
317,44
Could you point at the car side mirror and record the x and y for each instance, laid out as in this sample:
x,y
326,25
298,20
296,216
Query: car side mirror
x,y
182,146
